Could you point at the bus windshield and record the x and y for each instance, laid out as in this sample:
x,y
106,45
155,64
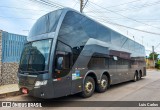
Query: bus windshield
x,y
35,56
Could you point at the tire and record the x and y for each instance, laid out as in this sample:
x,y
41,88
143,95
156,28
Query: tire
x,y
88,88
139,76
102,87
135,77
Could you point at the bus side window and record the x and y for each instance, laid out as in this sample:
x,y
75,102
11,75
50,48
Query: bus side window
x,y
63,60
59,64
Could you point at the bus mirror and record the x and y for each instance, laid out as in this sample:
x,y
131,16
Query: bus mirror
x,y
60,63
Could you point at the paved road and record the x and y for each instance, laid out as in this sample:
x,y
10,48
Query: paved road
x,y
147,89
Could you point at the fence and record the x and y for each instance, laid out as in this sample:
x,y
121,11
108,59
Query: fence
x,y
11,46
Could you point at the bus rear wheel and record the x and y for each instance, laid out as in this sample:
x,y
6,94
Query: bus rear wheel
x,y
102,87
135,77
89,87
139,76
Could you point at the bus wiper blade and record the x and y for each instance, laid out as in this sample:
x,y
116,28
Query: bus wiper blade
x,y
43,71
34,70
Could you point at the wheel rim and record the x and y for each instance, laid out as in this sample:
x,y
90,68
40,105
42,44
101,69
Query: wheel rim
x,y
135,77
103,83
139,76
89,87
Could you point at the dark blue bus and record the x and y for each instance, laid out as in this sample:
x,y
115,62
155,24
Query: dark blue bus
x,y
68,53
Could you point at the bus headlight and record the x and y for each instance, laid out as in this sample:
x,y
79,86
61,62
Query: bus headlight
x,y
40,83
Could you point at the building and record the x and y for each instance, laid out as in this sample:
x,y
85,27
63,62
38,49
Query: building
x,y
11,46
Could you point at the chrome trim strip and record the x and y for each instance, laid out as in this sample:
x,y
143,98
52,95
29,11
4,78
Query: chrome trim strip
x,y
28,75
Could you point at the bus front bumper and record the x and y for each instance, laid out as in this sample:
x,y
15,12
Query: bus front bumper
x,y
45,92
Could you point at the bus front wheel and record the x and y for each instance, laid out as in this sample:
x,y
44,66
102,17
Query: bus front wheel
x,y
89,87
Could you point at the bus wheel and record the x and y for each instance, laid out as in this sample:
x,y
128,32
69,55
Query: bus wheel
x,y
135,77
139,76
102,87
89,87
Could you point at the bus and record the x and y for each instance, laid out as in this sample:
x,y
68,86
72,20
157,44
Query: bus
x,y
68,53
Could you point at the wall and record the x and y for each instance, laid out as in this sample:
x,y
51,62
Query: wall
x,y
0,57
9,73
150,63
11,46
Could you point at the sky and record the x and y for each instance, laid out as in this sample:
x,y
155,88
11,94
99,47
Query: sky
x,y
18,16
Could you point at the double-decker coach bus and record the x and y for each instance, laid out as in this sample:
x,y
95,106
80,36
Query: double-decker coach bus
x,y
68,53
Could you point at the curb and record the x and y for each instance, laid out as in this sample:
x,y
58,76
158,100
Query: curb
x,y
15,93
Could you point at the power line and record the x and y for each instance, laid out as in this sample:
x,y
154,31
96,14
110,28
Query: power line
x,y
22,8
128,33
115,18
133,7
118,27
137,7
101,19
127,27
48,3
75,4
123,3
52,3
124,16
91,7
17,18
137,19
149,32
82,5
157,46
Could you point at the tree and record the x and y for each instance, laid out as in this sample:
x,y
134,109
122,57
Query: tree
x,y
158,64
153,54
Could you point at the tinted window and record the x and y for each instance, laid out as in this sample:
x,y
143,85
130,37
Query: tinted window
x,y
96,63
103,33
131,45
77,29
115,38
63,55
35,56
46,23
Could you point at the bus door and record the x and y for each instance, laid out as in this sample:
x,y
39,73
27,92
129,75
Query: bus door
x,y
61,76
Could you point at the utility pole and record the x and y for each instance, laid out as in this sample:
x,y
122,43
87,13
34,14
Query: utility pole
x,y
82,5
153,55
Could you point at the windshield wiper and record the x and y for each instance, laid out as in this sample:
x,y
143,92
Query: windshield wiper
x,y
34,70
